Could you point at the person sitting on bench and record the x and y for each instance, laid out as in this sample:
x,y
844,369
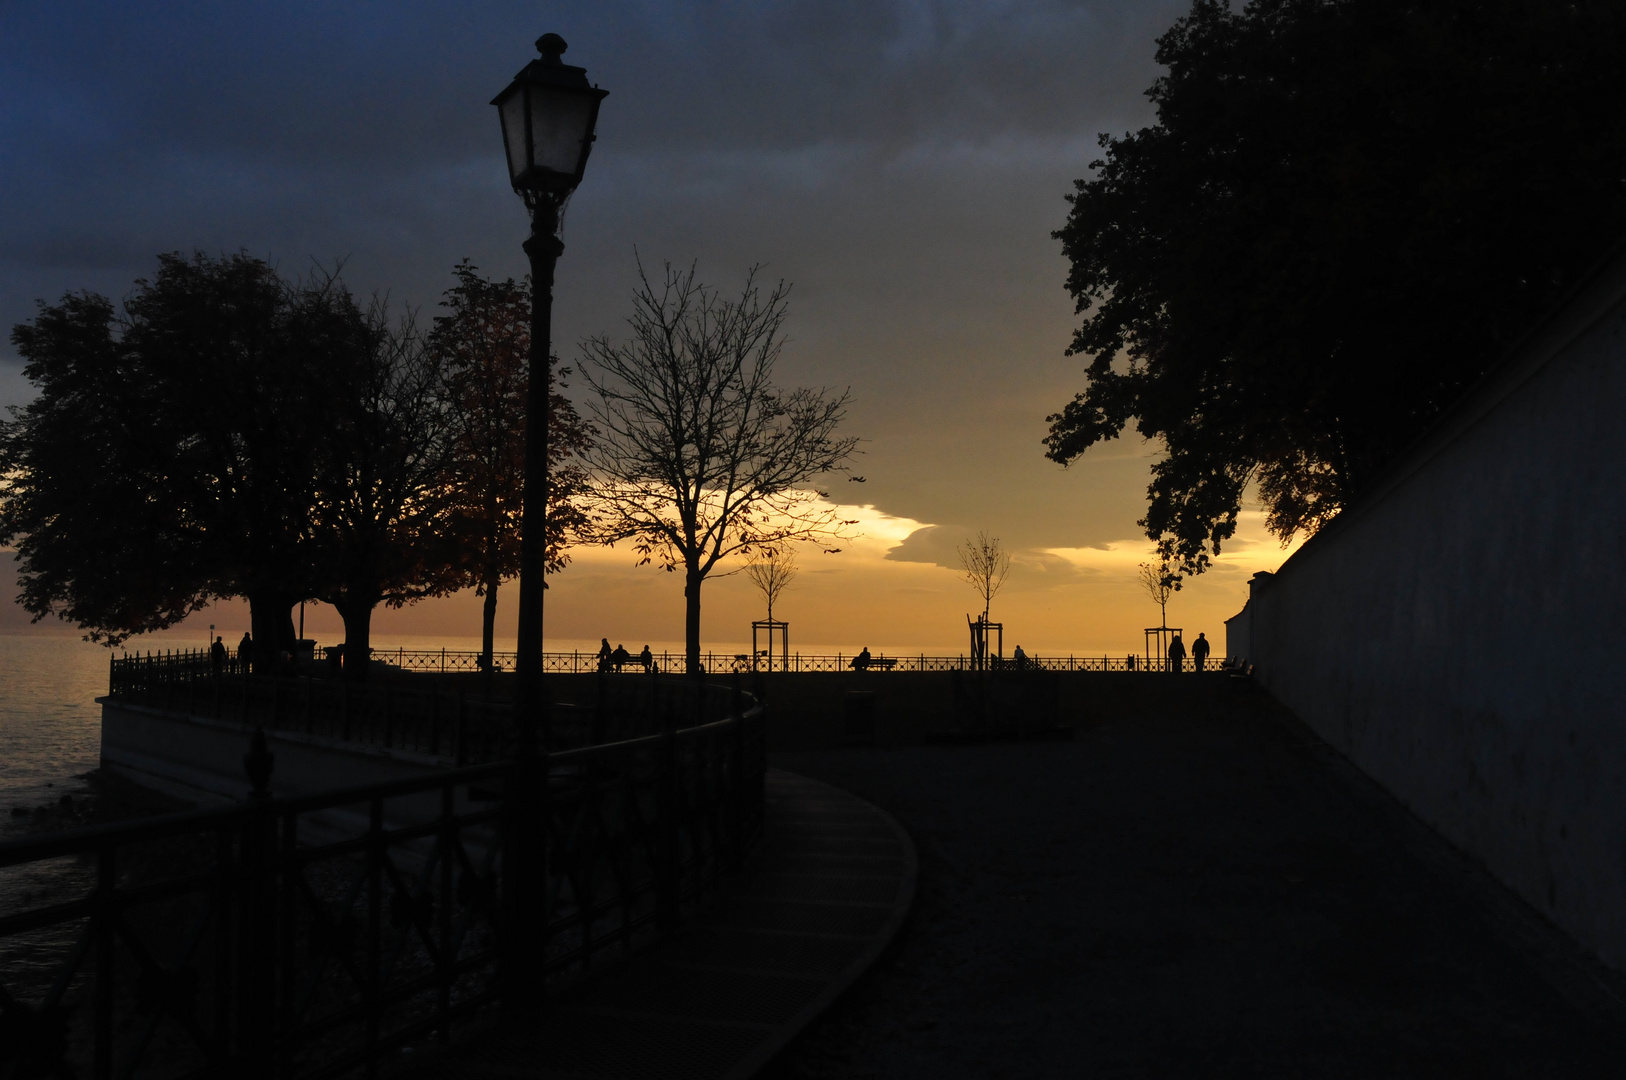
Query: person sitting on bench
x,y
861,661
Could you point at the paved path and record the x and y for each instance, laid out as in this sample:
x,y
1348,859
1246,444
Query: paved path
x,y
1213,894
831,891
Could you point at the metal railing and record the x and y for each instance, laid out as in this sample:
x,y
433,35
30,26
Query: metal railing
x,y
582,663
456,724
266,941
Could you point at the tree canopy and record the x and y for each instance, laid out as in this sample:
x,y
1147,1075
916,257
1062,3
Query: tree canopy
x,y
698,455
168,457
380,531
484,339
231,432
1346,211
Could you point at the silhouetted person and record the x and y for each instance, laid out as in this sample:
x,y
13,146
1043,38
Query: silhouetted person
x,y
620,657
217,656
245,653
1020,657
1129,662
1199,653
861,661
646,658
604,654
1177,654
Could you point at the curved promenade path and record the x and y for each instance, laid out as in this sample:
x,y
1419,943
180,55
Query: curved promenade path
x,y
1194,887
724,996
1190,890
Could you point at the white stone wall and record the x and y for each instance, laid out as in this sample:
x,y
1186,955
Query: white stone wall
x,y
1459,635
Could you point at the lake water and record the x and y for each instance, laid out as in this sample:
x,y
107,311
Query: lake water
x,y
50,724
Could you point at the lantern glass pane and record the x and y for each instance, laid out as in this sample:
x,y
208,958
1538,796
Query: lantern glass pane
x,y
558,125
512,111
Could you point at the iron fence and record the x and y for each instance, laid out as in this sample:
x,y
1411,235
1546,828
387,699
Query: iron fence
x,y
581,663
452,661
458,724
266,941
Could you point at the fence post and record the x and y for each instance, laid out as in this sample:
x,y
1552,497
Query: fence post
x,y
105,931
524,877
666,868
736,786
598,707
462,733
256,923
434,723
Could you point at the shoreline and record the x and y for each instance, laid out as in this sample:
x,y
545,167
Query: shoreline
x,y
96,797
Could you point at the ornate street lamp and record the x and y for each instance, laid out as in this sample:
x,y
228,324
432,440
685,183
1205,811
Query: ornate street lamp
x,y
548,114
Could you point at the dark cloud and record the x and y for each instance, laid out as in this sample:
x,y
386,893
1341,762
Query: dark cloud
x,y
902,162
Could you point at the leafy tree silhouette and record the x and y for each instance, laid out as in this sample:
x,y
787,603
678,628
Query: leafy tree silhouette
x,y
229,432
169,455
484,340
1345,212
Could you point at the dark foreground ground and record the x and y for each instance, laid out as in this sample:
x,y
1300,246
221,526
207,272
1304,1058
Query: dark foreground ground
x,y
1200,891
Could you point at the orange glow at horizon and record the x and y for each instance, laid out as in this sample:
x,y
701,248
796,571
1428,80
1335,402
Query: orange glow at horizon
x,y
1080,601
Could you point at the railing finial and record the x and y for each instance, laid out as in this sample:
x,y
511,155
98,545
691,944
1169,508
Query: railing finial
x,y
257,763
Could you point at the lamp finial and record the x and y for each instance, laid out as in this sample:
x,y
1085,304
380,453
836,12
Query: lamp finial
x,y
551,46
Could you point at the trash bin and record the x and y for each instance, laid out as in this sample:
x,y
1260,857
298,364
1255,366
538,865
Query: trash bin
x,y
858,718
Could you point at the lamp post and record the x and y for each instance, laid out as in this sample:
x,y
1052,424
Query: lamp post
x,y
548,113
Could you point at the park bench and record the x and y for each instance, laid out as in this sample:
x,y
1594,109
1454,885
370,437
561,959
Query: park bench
x,y
885,663
1238,670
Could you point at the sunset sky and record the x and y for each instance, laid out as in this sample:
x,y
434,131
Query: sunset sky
x,y
902,164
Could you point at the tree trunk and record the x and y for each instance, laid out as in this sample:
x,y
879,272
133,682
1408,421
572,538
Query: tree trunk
x,y
488,624
270,617
691,621
358,631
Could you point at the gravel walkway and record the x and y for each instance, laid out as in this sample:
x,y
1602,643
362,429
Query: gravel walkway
x,y
1213,894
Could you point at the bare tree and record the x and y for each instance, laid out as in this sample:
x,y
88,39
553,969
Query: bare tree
x,y
699,456
1159,583
985,563
771,571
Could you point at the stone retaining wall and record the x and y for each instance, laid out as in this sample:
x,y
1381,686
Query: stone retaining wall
x,y
1457,634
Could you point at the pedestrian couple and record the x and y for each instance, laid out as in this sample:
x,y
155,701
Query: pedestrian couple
x,y
1177,654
